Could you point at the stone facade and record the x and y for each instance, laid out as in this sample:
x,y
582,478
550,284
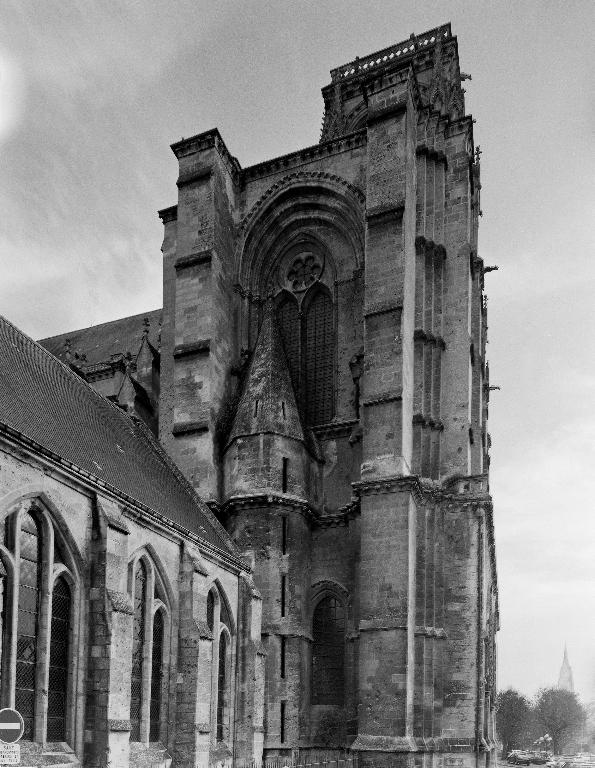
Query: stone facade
x,y
323,386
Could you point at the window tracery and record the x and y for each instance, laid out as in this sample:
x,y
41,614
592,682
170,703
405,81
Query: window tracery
x,y
38,636
150,630
307,329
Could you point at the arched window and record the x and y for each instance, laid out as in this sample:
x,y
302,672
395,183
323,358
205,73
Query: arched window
x,y
308,335
328,652
222,626
138,650
37,660
150,645
210,610
319,346
222,684
58,673
156,676
28,615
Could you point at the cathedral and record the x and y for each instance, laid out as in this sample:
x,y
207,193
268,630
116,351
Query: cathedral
x,y
255,523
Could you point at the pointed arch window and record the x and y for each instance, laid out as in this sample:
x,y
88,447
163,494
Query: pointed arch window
x,y
156,676
221,681
328,652
138,650
58,673
308,334
38,666
150,647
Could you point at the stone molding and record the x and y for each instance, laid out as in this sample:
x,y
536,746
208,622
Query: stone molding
x,y
380,214
203,727
366,742
388,111
190,178
384,397
306,176
168,214
120,602
207,140
335,429
119,725
199,347
186,427
433,154
382,308
437,341
192,259
116,523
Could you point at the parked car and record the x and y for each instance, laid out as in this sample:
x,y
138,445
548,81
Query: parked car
x,y
520,757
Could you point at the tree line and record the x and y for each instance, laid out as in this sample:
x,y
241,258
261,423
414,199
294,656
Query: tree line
x,y
557,713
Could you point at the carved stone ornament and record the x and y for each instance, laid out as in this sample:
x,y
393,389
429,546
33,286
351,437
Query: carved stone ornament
x,y
305,269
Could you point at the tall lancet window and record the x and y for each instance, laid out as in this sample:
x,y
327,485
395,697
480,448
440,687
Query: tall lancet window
x,y
138,650
305,317
328,652
319,344
28,617
58,674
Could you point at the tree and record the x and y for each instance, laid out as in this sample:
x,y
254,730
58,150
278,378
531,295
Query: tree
x,y
560,714
513,720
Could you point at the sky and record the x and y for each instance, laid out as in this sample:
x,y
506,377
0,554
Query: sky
x,y
93,93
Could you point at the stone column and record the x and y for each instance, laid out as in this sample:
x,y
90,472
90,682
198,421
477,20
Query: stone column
x,y
193,710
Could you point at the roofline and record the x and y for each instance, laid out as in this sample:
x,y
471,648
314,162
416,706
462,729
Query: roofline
x,y
88,327
96,484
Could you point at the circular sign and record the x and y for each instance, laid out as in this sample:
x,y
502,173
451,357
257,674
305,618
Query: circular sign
x,y
11,726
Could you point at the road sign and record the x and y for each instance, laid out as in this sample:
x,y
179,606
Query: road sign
x,y
11,726
10,754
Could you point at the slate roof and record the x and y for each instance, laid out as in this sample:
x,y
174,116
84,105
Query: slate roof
x,y
44,400
100,342
268,401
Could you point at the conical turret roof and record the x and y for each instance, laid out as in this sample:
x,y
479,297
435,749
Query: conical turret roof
x,y
268,403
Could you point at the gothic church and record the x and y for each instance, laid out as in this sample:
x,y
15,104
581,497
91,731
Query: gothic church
x,y
256,522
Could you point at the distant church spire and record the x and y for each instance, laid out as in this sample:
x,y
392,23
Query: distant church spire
x,y
565,679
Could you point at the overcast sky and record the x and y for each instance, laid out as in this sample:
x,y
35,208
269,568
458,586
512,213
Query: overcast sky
x,y
93,93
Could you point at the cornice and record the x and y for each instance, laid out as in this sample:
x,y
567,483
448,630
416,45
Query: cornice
x,y
198,347
391,396
168,214
192,259
187,427
335,429
207,140
301,156
380,214
459,492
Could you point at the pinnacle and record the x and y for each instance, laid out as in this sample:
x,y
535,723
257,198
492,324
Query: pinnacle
x,y
268,401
